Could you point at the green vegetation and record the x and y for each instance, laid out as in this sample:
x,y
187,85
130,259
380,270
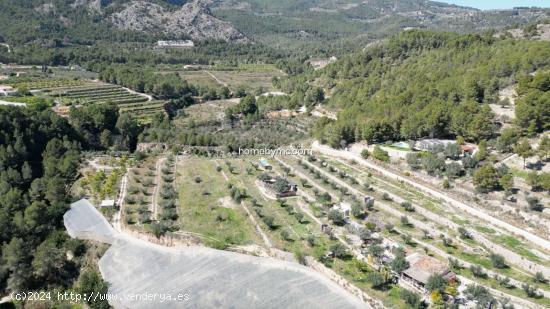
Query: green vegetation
x,y
532,106
40,159
216,216
438,85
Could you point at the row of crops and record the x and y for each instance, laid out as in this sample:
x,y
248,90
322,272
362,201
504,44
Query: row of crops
x,y
100,93
73,92
31,83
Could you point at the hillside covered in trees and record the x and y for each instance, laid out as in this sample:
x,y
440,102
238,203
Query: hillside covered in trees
x,y
40,156
426,84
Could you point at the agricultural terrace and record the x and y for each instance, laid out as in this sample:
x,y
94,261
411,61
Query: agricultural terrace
x,y
96,93
250,81
72,92
221,200
44,84
201,78
405,215
246,77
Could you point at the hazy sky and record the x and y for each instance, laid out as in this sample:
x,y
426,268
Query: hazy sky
x,y
498,4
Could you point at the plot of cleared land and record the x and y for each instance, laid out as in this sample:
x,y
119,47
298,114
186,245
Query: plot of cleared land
x,y
203,200
209,111
249,80
199,78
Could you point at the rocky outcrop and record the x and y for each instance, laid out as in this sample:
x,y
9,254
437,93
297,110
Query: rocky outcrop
x,y
193,19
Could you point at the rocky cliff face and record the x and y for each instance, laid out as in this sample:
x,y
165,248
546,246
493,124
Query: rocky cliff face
x,y
193,19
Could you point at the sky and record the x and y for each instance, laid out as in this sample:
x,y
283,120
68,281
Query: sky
x,y
498,4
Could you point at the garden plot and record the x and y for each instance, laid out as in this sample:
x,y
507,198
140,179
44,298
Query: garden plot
x,y
202,191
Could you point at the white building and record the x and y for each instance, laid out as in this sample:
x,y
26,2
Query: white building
x,y
179,43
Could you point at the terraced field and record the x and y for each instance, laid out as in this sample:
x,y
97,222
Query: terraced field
x,y
47,84
100,93
74,92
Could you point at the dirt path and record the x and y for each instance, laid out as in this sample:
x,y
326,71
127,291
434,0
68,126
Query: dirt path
x,y
148,96
120,202
216,79
154,197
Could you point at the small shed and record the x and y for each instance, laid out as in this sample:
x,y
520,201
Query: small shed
x,y
107,203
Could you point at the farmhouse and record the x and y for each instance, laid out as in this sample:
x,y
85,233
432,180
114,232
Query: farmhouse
x,y
179,43
318,64
422,267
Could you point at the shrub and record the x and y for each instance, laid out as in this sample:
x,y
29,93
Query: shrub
x,y
498,261
338,250
530,290
336,217
311,240
412,299
380,154
479,294
477,271
285,234
300,257
270,222
376,279
436,283
407,206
